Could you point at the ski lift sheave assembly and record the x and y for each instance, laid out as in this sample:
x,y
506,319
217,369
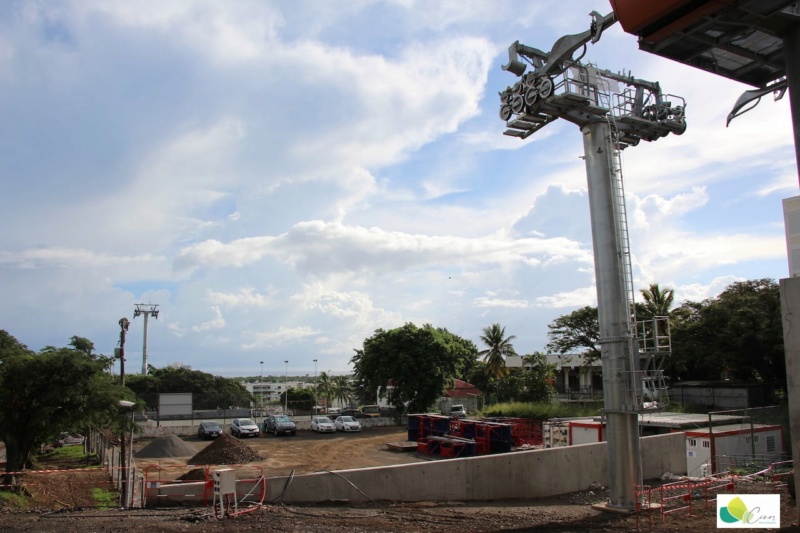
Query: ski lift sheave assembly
x,y
559,86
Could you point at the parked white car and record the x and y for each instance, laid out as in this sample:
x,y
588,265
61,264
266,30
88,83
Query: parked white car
x,y
244,427
346,423
322,424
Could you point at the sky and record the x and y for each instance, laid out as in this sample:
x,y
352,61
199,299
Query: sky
x,y
284,178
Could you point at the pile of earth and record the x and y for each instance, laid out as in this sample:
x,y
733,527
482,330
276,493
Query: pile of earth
x,y
225,450
165,447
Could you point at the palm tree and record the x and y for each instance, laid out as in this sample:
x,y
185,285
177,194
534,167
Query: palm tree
x,y
499,347
325,387
342,390
656,301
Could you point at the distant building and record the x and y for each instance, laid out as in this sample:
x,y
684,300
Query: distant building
x,y
575,379
462,393
270,391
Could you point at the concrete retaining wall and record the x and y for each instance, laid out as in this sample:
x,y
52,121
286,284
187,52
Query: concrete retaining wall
x,y
517,475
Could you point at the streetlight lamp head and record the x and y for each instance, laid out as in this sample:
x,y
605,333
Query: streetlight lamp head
x,y
126,403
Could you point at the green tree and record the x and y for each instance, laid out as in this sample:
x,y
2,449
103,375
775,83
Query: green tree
x,y
82,345
577,332
325,387
208,391
739,331
420,363
539,378
498,348
342,390
10,347
299,398
43,394
657,302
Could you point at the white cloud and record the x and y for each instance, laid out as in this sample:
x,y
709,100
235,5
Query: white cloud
x,y
580,297
218,322
281,336
243,297
285,177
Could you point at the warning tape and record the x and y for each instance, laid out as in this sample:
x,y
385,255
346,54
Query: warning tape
x,y
51,471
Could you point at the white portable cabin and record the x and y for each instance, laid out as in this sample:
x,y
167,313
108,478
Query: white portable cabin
x,y
717,449
586,432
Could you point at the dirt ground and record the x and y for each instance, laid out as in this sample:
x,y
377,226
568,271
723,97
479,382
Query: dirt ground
x,y
64,504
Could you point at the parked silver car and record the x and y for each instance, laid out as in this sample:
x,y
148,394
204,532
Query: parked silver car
x,y
346,423
244,427
322,424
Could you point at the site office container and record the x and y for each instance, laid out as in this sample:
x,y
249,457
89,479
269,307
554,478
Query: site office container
x,y
586,432
722,447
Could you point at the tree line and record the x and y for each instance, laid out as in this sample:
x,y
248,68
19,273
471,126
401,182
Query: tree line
x,y
738,333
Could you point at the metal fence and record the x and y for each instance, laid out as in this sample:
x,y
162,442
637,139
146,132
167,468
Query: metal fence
x,y
109,452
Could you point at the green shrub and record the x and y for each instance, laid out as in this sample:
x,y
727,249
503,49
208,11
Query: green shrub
x,y
541,411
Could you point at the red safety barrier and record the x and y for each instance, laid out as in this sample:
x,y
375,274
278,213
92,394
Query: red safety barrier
x,y
679,496
158,476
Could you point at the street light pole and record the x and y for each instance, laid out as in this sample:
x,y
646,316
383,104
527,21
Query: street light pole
x,y
285,387
123,461
315,385
261,387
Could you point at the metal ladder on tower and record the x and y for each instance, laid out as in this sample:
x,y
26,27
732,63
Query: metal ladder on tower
x,y
623,242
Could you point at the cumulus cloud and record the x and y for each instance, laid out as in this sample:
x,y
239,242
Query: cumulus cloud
x,y
319,247
282,335
580,297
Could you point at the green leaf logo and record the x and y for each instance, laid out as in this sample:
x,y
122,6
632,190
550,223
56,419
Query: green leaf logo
x,y
734,512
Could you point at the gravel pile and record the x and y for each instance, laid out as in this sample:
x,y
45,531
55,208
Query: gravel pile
x,y
165,447
225,450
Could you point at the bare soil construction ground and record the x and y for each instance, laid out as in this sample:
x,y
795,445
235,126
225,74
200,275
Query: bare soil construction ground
x,y
64,504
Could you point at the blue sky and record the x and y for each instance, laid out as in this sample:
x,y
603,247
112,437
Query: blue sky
x,y
283,178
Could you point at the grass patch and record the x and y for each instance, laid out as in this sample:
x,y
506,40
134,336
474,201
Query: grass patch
x,y
67,452
105,499
64,457
542,411
13,500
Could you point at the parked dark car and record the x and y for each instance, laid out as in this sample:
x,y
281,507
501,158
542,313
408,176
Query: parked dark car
x,y
278,424
355,413
209,430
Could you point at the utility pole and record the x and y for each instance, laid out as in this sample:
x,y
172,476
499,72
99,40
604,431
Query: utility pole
x,y
147,310
124,323
286,389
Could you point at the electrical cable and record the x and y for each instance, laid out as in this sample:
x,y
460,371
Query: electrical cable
x,y
286,486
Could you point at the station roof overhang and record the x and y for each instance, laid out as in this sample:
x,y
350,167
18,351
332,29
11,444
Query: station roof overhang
x,y
738,39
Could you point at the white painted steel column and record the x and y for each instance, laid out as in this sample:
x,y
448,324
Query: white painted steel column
x,y
622,430
144,346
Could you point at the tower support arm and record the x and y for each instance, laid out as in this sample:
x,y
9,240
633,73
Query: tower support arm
x,y
552,63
